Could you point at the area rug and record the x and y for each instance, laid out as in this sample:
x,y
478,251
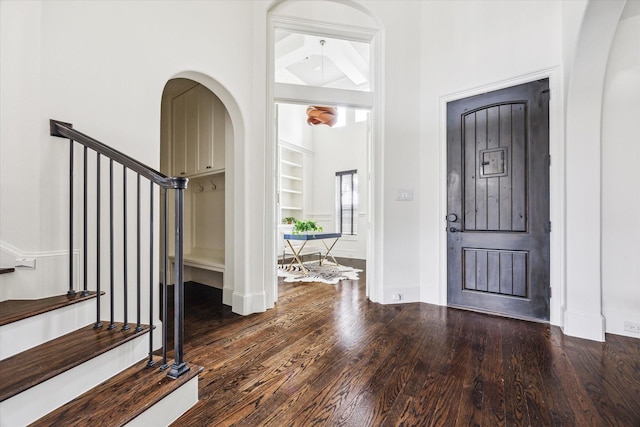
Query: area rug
x,y
326,273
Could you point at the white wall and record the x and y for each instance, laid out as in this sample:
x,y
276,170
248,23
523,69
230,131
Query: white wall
x,y
340,149
292,126
621,180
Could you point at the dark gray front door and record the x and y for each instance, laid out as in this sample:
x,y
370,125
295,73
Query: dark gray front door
x,y
498,201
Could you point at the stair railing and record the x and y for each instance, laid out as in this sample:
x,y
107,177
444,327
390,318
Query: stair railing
x,y
155,178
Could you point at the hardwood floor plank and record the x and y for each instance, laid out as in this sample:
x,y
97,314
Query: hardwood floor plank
x,y
327,356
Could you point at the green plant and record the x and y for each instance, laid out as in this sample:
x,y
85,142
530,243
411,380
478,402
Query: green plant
x,y
306,226
289,220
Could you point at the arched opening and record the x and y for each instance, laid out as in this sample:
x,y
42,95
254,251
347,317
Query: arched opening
x,y
583,295
346,78
200,126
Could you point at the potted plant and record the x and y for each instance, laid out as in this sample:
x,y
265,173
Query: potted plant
x,y
306,226
289,220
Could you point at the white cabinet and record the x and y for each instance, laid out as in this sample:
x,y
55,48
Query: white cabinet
x,y
198,139
197,133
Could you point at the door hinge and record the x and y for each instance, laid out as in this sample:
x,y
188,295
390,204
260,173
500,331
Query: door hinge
x,y
548,92
549,158
550,292
549,226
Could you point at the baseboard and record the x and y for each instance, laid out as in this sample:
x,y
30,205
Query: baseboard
x,y
614,323
246,304
584,326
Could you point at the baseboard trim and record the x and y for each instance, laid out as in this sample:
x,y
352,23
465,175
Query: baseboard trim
x,y
585,326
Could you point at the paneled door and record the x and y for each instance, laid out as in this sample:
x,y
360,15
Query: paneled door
x,y
498,201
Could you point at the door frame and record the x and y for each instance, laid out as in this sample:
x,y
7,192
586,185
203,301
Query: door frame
x,y
557,301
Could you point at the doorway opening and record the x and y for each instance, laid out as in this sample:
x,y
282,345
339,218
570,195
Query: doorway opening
x,y
194,144
322,177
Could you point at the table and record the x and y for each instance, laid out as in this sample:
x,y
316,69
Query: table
x,y
311,236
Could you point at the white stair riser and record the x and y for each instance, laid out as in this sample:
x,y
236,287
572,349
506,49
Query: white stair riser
x,y
34,403
170,408
19,336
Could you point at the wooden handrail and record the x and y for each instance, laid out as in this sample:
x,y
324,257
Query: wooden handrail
x,y
65,130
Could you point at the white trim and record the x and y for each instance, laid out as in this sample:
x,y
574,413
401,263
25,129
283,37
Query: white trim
x,y
585,326
297,94
170,407
556,188
4,246
246,304
324,29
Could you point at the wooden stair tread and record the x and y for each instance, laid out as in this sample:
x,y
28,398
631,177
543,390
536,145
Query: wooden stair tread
x,y
31,367
18,309
120,399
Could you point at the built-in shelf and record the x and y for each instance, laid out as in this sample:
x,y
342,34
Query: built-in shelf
x,y
208,260
289,163
206,173
293,178
291,182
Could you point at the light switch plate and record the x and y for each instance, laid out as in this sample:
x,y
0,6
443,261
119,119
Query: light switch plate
x,y
405,195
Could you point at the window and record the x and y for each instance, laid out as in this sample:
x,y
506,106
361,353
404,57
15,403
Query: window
x,y
347,202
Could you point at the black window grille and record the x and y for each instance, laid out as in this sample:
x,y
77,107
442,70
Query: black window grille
x,y
347,202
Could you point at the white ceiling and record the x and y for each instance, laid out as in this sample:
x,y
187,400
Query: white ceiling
x,y
302,59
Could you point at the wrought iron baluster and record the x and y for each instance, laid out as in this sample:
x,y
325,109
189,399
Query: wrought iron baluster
x,y
151,362
98,323
71,291
165,279
112,323
139,267
125,302
85,288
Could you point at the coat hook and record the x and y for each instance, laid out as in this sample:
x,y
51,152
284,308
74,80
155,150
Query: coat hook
x,y
213,186
201,187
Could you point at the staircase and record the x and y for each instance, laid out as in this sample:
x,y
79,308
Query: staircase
x,y
88,376
77,358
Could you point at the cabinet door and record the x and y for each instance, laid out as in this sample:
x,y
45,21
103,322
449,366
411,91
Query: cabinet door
x,y
219,134
206,128
192,130
179,152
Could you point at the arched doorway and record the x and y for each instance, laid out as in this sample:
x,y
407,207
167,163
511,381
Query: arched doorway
x,y
298,46
200,127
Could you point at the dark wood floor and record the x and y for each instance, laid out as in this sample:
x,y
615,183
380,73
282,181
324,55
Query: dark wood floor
x,y
327,356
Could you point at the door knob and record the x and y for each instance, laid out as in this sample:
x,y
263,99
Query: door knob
x,y
455,230
452,217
